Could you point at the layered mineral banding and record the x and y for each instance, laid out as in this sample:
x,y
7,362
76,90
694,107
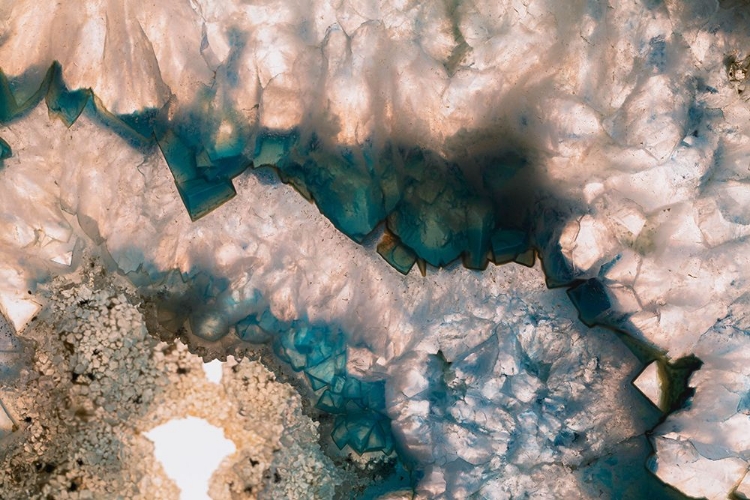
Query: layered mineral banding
x,y
609,140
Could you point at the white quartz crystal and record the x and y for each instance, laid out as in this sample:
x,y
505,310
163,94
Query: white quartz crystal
x,y
650,384
636,112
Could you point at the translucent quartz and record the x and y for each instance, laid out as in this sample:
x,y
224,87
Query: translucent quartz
x,y
428,204
650,384
609,140
369,353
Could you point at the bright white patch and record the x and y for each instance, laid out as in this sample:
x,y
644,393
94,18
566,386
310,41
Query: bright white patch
x,y
649,383
190,450
65,259
213,371
19,310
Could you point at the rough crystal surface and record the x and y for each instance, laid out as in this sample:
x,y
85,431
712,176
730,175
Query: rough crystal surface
x,y
609,140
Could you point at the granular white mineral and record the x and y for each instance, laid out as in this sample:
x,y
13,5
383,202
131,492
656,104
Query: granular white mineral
x,y
97,384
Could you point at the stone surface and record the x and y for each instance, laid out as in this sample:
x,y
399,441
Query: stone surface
x,y
610,139
97,385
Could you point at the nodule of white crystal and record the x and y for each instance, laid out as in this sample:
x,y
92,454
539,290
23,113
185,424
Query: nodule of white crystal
x,y
649,382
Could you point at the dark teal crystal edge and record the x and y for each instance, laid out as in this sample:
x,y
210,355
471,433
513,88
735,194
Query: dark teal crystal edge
x,y
433,214
435,211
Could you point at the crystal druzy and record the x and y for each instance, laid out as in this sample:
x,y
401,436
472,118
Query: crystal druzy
x,y
343,192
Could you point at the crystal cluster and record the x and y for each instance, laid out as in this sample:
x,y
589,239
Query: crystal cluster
x,y
608,141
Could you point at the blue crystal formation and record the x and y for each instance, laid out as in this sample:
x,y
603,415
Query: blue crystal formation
x,y
359,406
319,352
204,181
316,351
202,175
61,101
435,211
592,302
433,214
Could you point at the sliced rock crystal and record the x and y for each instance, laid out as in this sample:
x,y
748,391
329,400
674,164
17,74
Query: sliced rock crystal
x,y
609,141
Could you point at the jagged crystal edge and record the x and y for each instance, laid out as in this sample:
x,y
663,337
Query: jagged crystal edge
x,y
117,227
678,271
317,351
203,178
433,213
